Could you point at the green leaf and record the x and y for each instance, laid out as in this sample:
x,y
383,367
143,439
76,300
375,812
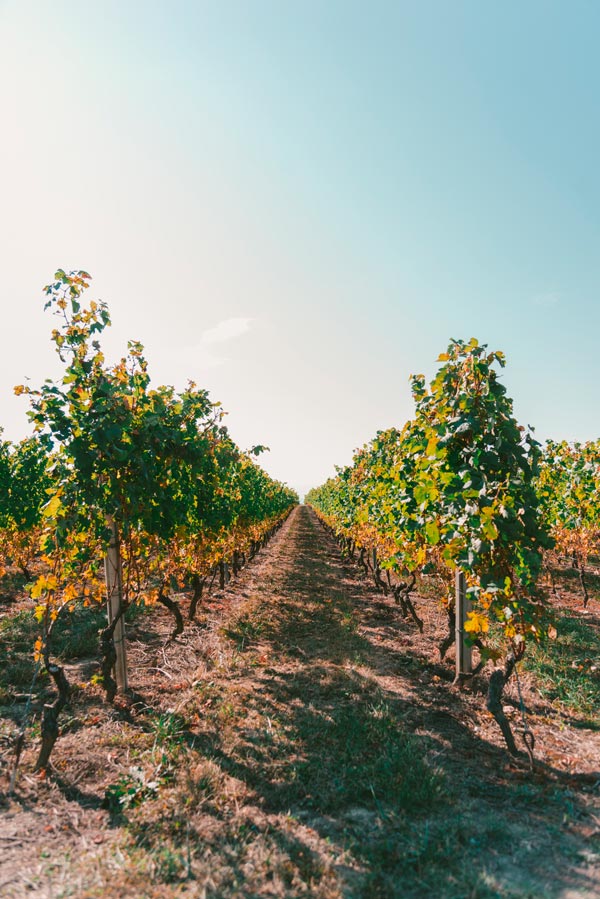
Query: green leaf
x,y
432,532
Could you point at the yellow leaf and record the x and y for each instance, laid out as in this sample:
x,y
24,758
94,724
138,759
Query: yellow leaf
x,y
52,506
431,446
37,650
39,587
490,530
69,593
477,623
51,582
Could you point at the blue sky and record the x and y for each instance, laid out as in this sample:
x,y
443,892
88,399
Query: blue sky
x,y
298,204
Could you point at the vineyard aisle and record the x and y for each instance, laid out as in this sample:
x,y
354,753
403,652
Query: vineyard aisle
x,y
301,740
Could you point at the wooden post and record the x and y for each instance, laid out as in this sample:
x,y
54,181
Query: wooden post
x,y
114,597
464,663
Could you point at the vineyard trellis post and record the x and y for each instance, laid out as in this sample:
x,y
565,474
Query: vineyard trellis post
x,y
114,597
464,664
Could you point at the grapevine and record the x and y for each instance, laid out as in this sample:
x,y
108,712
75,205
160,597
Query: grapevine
x,y
153,470
454,490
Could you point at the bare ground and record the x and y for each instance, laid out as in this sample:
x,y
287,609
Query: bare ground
x,y
302,740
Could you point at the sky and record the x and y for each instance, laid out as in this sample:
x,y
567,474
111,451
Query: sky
x,y
298,204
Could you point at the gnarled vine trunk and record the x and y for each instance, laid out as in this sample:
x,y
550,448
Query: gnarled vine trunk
x,y
174,609
498,680
51,712
198,585
108,654
402,593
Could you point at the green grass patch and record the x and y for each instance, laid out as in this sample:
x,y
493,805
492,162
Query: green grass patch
x,y
75,636
365,758
567,670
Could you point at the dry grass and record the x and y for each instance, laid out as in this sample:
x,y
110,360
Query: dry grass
x,y
302,740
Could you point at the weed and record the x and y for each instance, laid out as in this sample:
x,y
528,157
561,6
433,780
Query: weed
x,y
168,729
129,790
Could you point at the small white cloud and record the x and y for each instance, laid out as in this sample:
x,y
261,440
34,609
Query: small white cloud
x,y
226,330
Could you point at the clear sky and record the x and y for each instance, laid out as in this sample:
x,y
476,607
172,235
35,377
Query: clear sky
x,y
297,204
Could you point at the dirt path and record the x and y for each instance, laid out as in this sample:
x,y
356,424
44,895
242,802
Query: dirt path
x,y
301,740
